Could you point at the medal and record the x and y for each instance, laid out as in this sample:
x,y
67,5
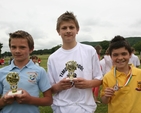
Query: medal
x,y
116,88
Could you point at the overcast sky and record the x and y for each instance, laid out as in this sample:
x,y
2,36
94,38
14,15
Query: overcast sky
x,y
98,19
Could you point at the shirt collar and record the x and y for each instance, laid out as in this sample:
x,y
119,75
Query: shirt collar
x,y
132,70
28,65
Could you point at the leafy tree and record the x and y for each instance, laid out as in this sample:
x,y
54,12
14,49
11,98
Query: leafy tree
x,y
137,47
104,44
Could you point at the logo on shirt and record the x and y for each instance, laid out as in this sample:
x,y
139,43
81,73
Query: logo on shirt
x,y
79,66
32,76
138,86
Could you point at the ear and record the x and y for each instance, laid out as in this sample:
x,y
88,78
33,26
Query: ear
x,y
130,55
31,50
58,32
77,31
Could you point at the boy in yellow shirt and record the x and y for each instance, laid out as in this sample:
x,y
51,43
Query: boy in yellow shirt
x,y
121,88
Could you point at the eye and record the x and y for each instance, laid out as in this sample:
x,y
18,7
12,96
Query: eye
x,y
22,47
115,54
64,28
71,27
13,47
124,54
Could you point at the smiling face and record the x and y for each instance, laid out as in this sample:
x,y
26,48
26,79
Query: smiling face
x,y
120,58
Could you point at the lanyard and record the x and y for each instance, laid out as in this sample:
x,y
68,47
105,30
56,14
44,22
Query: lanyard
x,y
126,82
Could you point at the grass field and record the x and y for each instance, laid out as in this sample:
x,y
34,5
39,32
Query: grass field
x,y
101,108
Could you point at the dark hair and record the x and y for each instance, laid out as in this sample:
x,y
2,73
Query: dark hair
x,y
33,57
67,16
119,42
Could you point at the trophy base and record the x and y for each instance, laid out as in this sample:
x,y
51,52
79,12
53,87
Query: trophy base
x,y
18,92
70,78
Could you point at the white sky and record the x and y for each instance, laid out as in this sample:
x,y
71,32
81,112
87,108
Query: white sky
x,y
98,19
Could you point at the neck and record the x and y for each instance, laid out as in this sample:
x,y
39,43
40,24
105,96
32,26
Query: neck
x,y
68,46
20,64
124,70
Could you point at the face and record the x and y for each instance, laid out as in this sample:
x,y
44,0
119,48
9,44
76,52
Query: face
x,y
20,50
120,58
68,31
35,60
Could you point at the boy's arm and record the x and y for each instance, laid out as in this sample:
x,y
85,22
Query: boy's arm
x,y
108,93
95,82
46,100
83,83
2,103
6,99
56,88
105,100
62,85
25,98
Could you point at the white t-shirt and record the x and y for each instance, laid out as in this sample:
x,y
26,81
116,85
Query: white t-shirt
x,y
103,66
106,64
88,67
37,63
134,60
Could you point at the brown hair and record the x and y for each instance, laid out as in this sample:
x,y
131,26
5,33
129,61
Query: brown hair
x,y
98,48
67,16
33,57
24,35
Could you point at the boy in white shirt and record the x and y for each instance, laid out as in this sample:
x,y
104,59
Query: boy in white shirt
x,y
134,59
75,95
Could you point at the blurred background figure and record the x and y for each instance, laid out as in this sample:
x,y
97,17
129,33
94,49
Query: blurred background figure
x,y
96,90
35,59
10,60
98,49
39,61
134,58
106,62
2,61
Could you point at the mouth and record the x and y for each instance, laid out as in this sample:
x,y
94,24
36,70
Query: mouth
x,y
68,35
121,61
17,55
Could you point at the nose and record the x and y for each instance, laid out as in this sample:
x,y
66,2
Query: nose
x,y
120,57
17,50
68,29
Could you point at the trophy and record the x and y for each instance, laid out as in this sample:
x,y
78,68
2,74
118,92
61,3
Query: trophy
x,y
13,78
71,66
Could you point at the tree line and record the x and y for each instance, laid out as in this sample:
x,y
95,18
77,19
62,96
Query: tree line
x,y
133,41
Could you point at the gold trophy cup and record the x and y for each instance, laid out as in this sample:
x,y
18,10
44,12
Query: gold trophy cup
x,y
71,66
13,79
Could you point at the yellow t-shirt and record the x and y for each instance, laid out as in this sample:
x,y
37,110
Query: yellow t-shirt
x,y
127,99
